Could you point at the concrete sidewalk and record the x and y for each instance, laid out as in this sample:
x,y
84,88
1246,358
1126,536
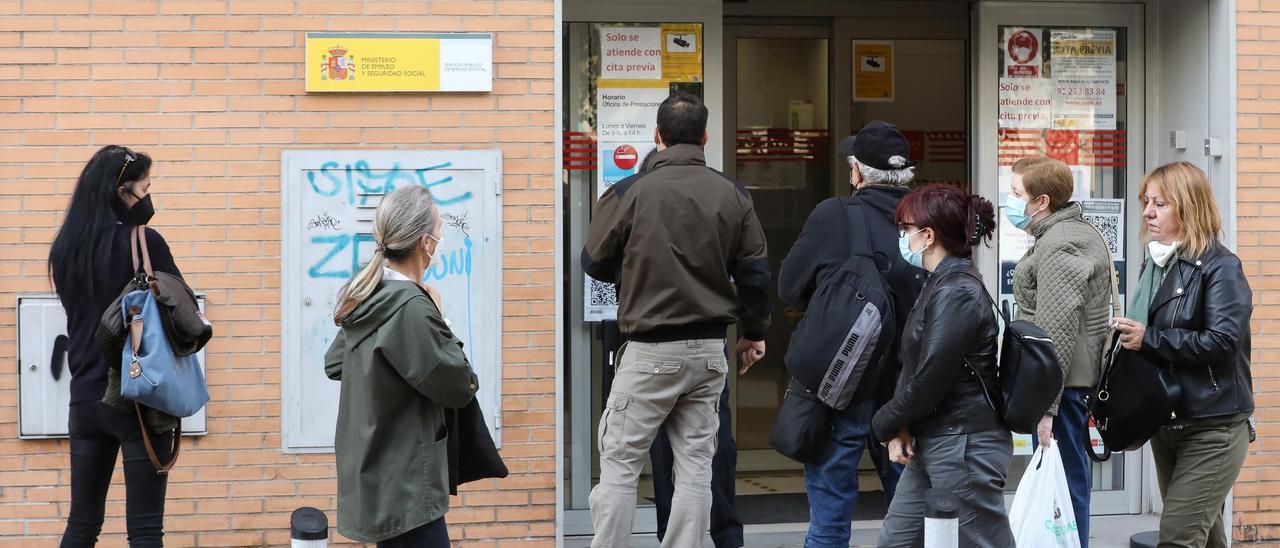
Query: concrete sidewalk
x,y
1106,532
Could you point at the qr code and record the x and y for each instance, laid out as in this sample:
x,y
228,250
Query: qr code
x,y
602,294
1109,226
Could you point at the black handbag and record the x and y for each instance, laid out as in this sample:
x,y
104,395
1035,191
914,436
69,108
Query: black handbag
x,y
803,425
472,454
1134,397
1030,375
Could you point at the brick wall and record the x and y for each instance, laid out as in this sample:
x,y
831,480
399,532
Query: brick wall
x,y
213,91
1257,493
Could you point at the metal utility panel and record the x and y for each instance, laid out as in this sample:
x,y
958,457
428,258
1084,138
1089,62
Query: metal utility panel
x,y
44,378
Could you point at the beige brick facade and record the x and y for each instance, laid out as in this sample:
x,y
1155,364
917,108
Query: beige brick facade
x,y
1257,493
213,91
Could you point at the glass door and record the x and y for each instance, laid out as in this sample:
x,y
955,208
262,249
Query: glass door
x,y
777,113
1064,81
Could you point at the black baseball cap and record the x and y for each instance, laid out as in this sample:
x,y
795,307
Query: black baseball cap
x,y
880,145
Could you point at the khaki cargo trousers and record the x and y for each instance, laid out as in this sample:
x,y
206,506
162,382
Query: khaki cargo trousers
x,y
677,383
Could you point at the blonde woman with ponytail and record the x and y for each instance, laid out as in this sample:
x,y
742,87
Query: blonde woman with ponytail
x,y
400,368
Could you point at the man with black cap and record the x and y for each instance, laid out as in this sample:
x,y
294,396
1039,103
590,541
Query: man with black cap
x,y
880,168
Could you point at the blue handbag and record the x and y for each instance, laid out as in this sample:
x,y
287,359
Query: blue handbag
x,y
154,376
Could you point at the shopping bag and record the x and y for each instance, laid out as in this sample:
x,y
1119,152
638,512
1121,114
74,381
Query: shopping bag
x,y
1041,514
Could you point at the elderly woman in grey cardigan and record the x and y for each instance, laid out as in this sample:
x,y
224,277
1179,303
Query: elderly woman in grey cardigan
x,y
1063,285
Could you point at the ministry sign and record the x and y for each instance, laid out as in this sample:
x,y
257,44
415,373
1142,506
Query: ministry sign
x,y
397,62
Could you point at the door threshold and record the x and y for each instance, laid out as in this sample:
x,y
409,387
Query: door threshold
x,y
771,528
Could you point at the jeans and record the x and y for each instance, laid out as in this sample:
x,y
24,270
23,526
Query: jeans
x,y
832,485
431,535
678,384
1070,429
973,466
98,433
726,528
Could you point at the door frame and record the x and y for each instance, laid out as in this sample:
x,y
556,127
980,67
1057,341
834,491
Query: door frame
x,y
987,19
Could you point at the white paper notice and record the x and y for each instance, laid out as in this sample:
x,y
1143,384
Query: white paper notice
x,y
1084,78
1023,52
631,53
1107,215
628,114
1025,103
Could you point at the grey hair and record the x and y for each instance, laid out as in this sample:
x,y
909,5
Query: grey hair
x,y
873,176
402,219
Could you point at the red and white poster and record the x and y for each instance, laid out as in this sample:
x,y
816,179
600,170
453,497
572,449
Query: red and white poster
x,y
1023,53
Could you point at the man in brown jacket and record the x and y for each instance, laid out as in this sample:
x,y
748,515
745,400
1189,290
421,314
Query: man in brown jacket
x,y
684,246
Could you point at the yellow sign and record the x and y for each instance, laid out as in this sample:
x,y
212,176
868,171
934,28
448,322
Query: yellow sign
x,y
682,52
383,62
872,71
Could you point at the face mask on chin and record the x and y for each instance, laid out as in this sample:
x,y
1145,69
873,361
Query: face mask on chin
x,y
1161,253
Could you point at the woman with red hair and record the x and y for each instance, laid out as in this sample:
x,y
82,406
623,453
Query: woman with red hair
x,y
939,422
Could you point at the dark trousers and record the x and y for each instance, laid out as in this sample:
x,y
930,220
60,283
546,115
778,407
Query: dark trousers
x,y
973,466
1196,466
726,528
1070,429
98,434
431,535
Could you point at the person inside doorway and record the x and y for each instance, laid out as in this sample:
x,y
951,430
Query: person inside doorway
x,y
939,422
726,526
1063,285
684,246
880,170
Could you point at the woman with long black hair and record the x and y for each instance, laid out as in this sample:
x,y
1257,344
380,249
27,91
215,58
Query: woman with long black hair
x,y
90,263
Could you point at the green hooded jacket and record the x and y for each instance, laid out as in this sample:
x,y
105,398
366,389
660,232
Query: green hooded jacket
x,y
400,367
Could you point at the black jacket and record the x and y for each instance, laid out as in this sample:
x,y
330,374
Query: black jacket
x,y
952,323
683,243
1199,323
113,269
823,246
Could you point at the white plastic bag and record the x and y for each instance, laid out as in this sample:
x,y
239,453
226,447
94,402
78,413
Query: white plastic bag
x,y
1041,515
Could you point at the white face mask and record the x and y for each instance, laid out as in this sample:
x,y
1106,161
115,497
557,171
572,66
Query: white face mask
x,y
439,244
1161,253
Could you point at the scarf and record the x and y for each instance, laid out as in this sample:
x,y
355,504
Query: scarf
x,y
1148,283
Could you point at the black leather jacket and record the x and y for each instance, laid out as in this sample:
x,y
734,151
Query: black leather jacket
x,y
952,323
1199,323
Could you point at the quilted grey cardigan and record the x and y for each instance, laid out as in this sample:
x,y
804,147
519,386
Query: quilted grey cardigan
x,y
1062,284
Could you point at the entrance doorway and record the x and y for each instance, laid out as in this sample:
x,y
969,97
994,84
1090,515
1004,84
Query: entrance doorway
x,y
782,92
787,86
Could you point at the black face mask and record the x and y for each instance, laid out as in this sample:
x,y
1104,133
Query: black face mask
x,y
141,212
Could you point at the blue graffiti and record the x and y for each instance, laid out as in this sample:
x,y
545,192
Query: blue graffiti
x,y
360,181
454,263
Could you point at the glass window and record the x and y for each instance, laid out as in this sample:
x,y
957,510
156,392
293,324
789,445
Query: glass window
x,y
1062,95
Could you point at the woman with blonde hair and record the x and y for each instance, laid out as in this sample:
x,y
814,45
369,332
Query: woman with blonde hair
x,y
1191,310
400,368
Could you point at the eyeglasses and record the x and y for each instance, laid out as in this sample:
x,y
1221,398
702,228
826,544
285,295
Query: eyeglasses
x,y
128,159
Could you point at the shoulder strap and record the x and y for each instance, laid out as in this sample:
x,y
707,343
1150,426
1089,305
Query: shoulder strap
x,y
1111,267
854,207
133,248
161,469
990,299
146,255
